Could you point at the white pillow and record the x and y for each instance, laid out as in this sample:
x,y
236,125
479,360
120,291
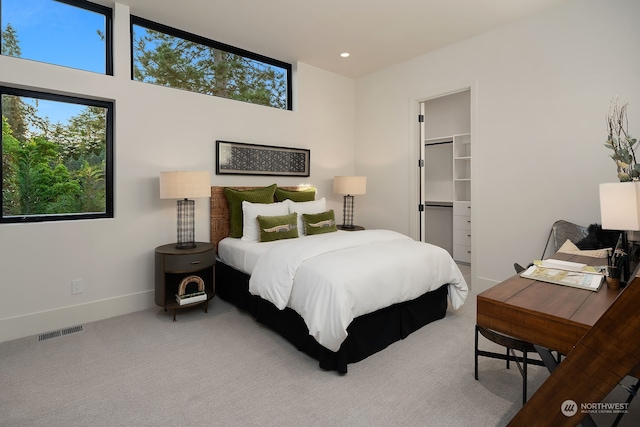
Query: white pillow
x,y
312,207
569,247
250,212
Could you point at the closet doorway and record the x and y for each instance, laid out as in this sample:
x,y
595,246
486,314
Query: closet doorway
x,y
445,173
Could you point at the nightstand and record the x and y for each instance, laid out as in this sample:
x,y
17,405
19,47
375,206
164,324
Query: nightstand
x,y
354,228
172,265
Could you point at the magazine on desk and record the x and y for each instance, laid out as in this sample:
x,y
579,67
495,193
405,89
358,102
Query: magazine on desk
x,y
575,279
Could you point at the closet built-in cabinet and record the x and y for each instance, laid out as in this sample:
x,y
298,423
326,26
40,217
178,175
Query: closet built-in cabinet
x,y
447,193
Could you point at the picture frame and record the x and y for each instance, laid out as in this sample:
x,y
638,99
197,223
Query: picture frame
x,y
239,158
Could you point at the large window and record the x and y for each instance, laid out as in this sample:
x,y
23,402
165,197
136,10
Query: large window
x,y
57,151
71,33
169,57
57,157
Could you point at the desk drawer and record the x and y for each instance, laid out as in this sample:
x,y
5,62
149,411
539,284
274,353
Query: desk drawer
x,y
188,263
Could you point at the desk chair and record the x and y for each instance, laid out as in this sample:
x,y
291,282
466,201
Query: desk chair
x,y
512,345
560,232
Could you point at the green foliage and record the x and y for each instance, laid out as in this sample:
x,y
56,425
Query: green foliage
x,y
622,144
15,110
36,180
10,192
170,61
84,135
45,185
91,179
10,43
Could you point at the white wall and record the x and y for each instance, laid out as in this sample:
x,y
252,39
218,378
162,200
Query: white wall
x,y
541,89
157,129
447,115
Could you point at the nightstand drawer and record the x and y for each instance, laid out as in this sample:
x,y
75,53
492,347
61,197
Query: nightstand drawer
x,y
188,263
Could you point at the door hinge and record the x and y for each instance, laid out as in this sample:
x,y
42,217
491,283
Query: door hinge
x,y
421,163
420,118
421,207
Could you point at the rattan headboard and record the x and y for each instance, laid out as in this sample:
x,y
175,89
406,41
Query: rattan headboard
x,y
220,226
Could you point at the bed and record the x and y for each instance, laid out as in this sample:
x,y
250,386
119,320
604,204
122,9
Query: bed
x,y
328,278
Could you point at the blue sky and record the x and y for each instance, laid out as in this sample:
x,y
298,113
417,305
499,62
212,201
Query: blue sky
x,y
57,33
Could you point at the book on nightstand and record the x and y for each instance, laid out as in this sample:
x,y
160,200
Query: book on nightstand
x,y
191,297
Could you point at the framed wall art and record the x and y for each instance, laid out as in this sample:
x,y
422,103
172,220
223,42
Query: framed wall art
x,y
237,158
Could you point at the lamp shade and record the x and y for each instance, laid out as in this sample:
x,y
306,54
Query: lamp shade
x,y
185,185
620,206
352,185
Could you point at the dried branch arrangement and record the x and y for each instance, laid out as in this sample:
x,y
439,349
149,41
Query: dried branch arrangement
x,y
622,144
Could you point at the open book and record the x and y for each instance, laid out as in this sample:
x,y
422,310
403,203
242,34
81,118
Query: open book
x,y
576,279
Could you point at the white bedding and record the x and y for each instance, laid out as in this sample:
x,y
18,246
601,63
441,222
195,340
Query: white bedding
x,y
329,279
241,254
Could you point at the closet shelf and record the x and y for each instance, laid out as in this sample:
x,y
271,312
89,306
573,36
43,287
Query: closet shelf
x,y
450,167
439,202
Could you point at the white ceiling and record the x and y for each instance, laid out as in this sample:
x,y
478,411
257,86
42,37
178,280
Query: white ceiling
x,y
377,33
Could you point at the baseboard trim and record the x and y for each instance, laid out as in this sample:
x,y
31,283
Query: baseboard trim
x,y
36,323
481,284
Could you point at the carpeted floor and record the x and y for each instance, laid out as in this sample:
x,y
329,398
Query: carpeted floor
x,y
224,369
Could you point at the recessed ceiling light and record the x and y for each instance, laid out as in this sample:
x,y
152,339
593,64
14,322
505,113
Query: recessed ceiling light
x,y
345,54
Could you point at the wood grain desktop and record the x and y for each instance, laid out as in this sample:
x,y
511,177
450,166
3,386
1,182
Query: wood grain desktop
x,y
545,314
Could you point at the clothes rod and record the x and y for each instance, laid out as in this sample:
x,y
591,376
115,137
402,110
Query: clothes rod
x,y
438,143
437,205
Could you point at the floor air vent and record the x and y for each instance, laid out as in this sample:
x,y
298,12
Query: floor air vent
x,y
59,333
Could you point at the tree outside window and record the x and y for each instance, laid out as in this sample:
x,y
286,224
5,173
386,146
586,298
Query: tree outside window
x,y
169,57
56,150
69,33
54,170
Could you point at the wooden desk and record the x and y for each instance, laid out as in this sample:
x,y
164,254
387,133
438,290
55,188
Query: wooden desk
x,y
603,357
552,316
549,315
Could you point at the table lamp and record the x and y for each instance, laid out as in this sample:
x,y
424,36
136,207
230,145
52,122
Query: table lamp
x,y
620,210
184,185
349,186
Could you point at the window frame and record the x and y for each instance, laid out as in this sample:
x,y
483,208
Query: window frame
x,y
109,157
174,32
108,33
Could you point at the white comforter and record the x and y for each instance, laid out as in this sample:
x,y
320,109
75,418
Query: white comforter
x,y
329,279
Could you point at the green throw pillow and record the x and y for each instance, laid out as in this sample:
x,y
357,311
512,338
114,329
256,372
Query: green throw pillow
x,y
306,195
235,198
324,222
278,227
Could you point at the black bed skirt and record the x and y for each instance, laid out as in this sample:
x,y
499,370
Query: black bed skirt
x,y
368,334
